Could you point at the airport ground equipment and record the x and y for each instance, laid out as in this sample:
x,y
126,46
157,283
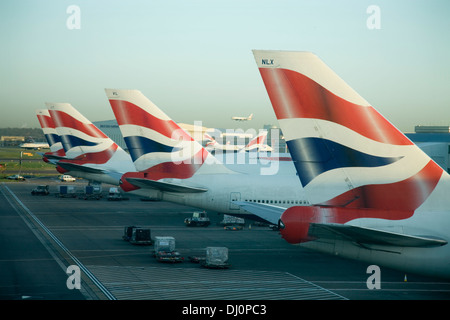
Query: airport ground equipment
x,y
165,250
234,227
127,232
198,219
137,235
216,258
40,190
197,259
92,192
66,192
114,194
232,221
141,236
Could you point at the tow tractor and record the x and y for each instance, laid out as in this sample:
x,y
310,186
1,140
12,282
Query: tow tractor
x,y
198,219
165,250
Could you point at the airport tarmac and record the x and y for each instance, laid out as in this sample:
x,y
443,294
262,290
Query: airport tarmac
x,y
43,235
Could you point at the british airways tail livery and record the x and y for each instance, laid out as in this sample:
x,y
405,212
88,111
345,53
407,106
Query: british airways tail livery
x,y
90,153
258,143
174,167
52,137
377,197
159,148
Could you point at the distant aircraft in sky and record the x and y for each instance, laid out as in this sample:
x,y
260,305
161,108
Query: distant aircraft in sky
x,y
242,118
376,196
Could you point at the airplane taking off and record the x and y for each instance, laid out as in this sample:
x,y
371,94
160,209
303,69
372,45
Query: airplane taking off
x,y
250,117
90,153
52,137
174,167
376,196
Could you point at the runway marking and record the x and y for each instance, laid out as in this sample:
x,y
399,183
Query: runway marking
x,y
59,243
163,283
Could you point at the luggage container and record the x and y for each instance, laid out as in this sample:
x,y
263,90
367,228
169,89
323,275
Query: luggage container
x,y
216,258
140,236
165,250
66,192
92,192
231,220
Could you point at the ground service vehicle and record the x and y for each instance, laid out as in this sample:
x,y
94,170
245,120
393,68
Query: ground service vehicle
x,y
198,219
40,190
67,178
16,177
114,194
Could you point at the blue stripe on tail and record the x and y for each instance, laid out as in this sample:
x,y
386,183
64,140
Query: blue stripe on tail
x,y
138,146
314,156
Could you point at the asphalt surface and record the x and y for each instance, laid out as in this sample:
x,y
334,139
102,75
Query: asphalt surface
x,y
41,236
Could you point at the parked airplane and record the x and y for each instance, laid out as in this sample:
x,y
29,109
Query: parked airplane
x,y
250,117
256,144
90,153
377,197
172,166
52,137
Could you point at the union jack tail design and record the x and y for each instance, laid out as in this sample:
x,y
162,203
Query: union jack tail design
x,y
158,146
52,137
345,152
257,142
83,142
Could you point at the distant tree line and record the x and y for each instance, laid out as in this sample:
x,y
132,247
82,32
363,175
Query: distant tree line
x,y
34,133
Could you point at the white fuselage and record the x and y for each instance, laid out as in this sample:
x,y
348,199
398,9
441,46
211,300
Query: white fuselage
x,y
431,219
278,190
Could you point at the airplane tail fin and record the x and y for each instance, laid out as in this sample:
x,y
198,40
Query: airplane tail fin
x,y
83,142
211,142
250,117
158,146
52,137
257,142
345,152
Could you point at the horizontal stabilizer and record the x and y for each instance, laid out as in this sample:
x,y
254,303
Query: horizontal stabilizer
x,y
267,212
53,156
76,167
163,186
371,236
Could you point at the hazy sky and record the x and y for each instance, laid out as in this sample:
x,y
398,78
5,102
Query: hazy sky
x,y
193,58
